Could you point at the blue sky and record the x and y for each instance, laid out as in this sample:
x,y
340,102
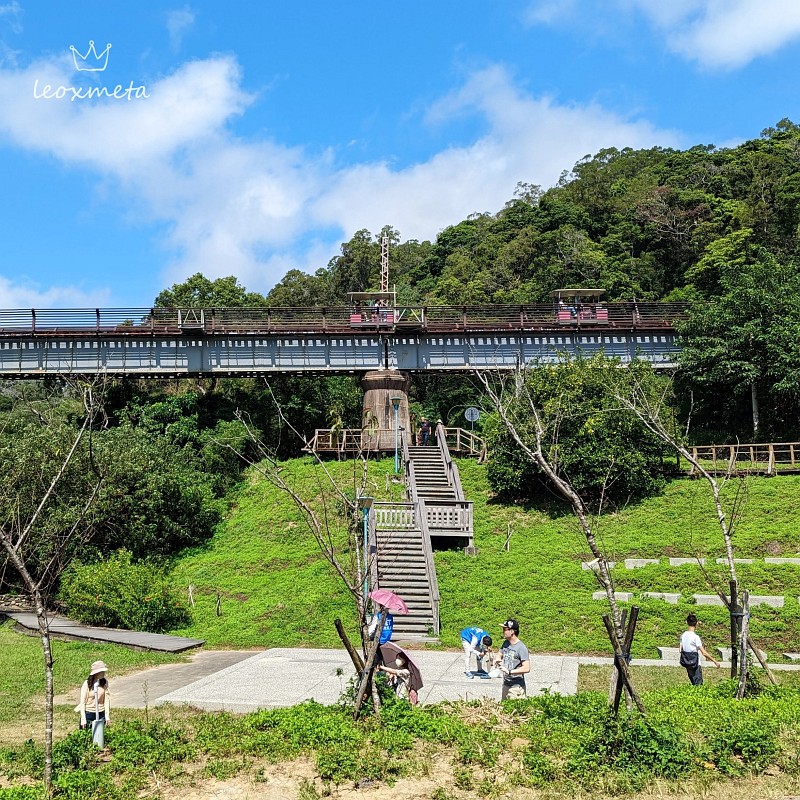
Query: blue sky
x,y
265,134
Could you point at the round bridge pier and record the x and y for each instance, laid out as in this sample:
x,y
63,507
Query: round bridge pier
x,y
382,389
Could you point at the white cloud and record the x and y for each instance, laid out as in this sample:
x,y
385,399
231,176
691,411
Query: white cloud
x,y
179,22
12,14
257,208
724,33
529,139
20,295
549,12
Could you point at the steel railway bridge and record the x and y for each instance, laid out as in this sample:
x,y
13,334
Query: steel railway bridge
x,y
240,342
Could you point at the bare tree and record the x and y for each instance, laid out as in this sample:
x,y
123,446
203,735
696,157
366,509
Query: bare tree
x,y
39,551
334,519
651,406
531,429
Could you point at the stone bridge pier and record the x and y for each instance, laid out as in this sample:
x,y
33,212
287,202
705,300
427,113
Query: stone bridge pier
x,y
382,389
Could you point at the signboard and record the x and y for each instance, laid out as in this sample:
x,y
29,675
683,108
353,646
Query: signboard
x,y
472,414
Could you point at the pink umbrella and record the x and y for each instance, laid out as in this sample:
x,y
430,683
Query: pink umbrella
x,y
389,600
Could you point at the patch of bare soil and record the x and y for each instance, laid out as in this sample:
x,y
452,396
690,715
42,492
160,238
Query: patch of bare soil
x,y
296,781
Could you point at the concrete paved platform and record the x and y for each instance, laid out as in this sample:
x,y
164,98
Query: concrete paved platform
x,y
284,677
67,629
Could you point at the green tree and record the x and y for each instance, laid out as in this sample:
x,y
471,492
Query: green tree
x,y
601,450
201,292
740,340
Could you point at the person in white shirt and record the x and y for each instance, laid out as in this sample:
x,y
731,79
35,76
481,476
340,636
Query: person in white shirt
x,y
691,648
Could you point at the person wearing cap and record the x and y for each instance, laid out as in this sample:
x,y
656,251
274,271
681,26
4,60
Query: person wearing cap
x,y
475,640
513,660
95,698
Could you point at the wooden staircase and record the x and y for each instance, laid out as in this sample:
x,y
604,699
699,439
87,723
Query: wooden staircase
x,y
430,474
401,535
402,568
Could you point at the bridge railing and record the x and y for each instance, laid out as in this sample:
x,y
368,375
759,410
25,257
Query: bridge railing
x,y
331,319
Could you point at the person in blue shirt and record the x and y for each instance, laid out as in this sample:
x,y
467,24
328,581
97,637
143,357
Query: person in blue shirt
x,y
475,641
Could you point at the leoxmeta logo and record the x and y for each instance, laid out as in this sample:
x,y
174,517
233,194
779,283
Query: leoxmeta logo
x,y
91,62
94,62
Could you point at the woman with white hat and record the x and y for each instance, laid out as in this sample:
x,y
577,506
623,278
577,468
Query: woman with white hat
x,y
95,699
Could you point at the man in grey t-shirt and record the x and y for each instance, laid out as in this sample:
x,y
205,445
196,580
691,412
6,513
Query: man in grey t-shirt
x,y
513,660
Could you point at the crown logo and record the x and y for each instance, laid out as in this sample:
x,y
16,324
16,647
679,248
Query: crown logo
x,y
97,62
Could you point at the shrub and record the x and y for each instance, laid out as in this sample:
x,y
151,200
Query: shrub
x,y
118,593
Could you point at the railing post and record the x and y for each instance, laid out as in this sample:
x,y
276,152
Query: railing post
x,y
97,320
33,320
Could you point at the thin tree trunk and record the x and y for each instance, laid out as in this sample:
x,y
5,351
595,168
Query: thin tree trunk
x,y
754,406
44,633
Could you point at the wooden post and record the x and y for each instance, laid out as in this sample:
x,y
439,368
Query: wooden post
x,y
735,622
358,662
743,645
369,667
770,674
621,664
630,631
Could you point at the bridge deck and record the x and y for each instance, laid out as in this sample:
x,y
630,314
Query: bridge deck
x,y
243,342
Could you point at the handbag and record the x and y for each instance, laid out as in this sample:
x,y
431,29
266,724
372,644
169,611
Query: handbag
x,y
689,660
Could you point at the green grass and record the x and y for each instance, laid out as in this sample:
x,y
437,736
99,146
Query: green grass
x,y
593,678
276,590
22,668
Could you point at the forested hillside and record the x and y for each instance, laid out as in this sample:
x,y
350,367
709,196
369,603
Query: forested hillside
x,y
715,227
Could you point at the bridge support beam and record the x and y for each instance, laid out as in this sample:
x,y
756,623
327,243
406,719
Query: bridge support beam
x,y
380,388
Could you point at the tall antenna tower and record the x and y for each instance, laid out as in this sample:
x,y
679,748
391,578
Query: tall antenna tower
x,y
384,263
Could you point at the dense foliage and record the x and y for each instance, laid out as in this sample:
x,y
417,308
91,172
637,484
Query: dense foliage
x,y
607,456
115,592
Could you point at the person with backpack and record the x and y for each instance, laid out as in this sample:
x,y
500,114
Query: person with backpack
x,y
691,649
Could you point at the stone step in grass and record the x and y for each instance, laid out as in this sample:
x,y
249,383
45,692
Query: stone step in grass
x,y
772,600
620,597
638,563
725,653
668,597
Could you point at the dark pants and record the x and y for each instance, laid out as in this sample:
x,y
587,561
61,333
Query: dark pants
x,y
91,716
695,675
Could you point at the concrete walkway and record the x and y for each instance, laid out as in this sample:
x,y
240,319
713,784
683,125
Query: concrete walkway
x,y
246,681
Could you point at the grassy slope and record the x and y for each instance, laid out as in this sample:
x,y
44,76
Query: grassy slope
x,y
22,670
277,591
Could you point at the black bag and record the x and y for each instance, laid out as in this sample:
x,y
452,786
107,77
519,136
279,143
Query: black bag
x,y
690,660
